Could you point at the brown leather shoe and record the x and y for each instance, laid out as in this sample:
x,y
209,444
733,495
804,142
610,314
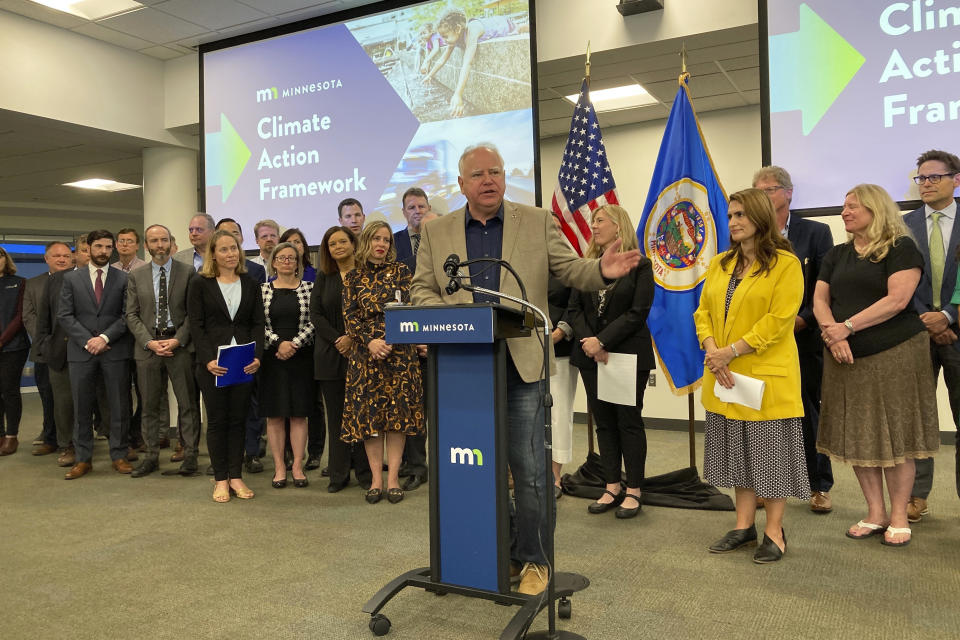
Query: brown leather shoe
x,y
177,455
9,445
43,449
534,579
122,466
916,509
79,469
132,456
68,458
163,443
820,502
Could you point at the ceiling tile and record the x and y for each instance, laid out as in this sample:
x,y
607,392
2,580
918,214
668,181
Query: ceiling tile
x,y
241,29
212,14
276,7
113,37
162,53
153,26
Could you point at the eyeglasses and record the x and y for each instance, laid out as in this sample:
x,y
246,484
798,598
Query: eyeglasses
x,y
285,259
772,190
126,241
932,179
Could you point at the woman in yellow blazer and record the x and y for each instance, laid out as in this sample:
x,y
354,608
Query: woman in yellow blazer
x,y
745,324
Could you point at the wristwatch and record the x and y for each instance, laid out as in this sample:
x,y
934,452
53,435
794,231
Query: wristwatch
x,y
849,325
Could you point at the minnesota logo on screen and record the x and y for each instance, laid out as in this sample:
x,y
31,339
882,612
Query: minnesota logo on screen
x,y
471,457
810,68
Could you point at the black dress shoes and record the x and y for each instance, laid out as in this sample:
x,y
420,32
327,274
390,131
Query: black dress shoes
x,y
734,539
601,507
629,512
313,462
145,468
768,551
279,484
300,483
253,465
334,487
412,482
373,496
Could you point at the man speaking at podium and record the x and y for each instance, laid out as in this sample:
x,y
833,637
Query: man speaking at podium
x,y
526,237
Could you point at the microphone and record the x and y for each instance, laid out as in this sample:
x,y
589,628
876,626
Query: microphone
x,y
451,265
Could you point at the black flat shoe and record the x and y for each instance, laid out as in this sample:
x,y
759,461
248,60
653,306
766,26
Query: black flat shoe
x,y
279,484
627,512
768,551
300,483
600,507
373,495
557,492
394,495
734,539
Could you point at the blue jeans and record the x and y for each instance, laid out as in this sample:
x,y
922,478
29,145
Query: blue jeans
x,y
525,446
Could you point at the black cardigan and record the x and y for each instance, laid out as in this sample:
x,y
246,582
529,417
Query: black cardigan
x,y
210,322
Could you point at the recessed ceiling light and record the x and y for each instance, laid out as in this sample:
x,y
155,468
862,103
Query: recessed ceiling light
x,y
626,97
100,184
91,9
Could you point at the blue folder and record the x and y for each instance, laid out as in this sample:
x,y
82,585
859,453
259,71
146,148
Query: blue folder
x,y
234,359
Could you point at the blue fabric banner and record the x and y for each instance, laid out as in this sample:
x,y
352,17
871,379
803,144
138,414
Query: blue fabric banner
x,y
684,225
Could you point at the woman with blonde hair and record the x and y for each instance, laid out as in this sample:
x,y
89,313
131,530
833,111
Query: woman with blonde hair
x,y
614,320
879,409
745,324
384,398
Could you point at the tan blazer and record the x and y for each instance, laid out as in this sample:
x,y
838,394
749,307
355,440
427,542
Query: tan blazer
x,y
762,312
531,244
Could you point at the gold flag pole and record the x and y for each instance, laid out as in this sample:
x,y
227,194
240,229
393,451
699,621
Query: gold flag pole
x,y
684,76
590,446
586,74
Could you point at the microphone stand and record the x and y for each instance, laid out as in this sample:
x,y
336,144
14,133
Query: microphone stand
x,y
552,633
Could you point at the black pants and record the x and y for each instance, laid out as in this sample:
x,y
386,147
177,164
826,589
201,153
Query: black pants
x,y
819,470
227,411
11,403
620,433
415,447
341,455
316,430
41,373
944,357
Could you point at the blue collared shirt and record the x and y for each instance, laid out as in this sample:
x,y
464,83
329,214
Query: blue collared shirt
x,y
197,260
156,289
484,241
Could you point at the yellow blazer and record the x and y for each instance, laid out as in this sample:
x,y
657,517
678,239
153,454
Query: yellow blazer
x,y
762,313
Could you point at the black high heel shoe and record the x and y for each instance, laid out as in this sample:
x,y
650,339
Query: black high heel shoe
x,y
768,551
279,484
300,483
601,507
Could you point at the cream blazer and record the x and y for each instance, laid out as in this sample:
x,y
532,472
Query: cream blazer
x,y
762,313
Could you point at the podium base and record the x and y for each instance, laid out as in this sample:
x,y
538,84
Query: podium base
x,y
566,584
556,635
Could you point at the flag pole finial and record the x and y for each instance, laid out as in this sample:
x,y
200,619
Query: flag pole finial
x,y
684,76
587,65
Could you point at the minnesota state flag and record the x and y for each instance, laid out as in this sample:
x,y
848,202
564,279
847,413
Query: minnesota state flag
x,y
684,225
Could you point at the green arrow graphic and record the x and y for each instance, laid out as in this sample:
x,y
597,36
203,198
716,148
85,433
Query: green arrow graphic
x,y
810,68
226,156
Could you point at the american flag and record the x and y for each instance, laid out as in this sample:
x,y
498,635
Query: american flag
x,y
585,181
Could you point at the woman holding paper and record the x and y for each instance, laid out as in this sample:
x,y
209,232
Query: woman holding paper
x,y
614,321
745,324
225,308
879,408
384,401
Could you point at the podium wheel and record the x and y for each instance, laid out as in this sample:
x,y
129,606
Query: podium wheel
x,y
564,608
379,624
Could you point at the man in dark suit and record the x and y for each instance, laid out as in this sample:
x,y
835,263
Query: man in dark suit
x,y
156,315
91,312
938,237
407,241
58,258
811,241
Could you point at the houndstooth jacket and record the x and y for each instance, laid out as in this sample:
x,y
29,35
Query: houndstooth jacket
x,y
305,335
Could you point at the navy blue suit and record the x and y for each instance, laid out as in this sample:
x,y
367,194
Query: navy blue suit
x,y
256,271
401,240
82,318
946,357
811,241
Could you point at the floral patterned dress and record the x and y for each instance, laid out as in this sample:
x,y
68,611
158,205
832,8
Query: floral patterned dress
x,y
381,395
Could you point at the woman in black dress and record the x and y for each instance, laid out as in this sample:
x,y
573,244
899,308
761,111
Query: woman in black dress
x,y
225,308
384,393
286,384
614,320
333,347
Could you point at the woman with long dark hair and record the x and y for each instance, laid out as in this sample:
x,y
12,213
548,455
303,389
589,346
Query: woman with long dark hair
x,y
14,347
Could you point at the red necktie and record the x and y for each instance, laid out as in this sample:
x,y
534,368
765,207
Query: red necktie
x,y
98,288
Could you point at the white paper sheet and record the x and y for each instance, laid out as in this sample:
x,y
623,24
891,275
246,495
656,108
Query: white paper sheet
x,y
746,391
617,380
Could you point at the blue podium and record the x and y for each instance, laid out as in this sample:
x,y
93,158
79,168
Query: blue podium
x,y
466,408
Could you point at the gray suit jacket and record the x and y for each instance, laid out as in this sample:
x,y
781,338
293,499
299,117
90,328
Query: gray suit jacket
x,y
185,256
531,244
32,294
82,318
141,314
